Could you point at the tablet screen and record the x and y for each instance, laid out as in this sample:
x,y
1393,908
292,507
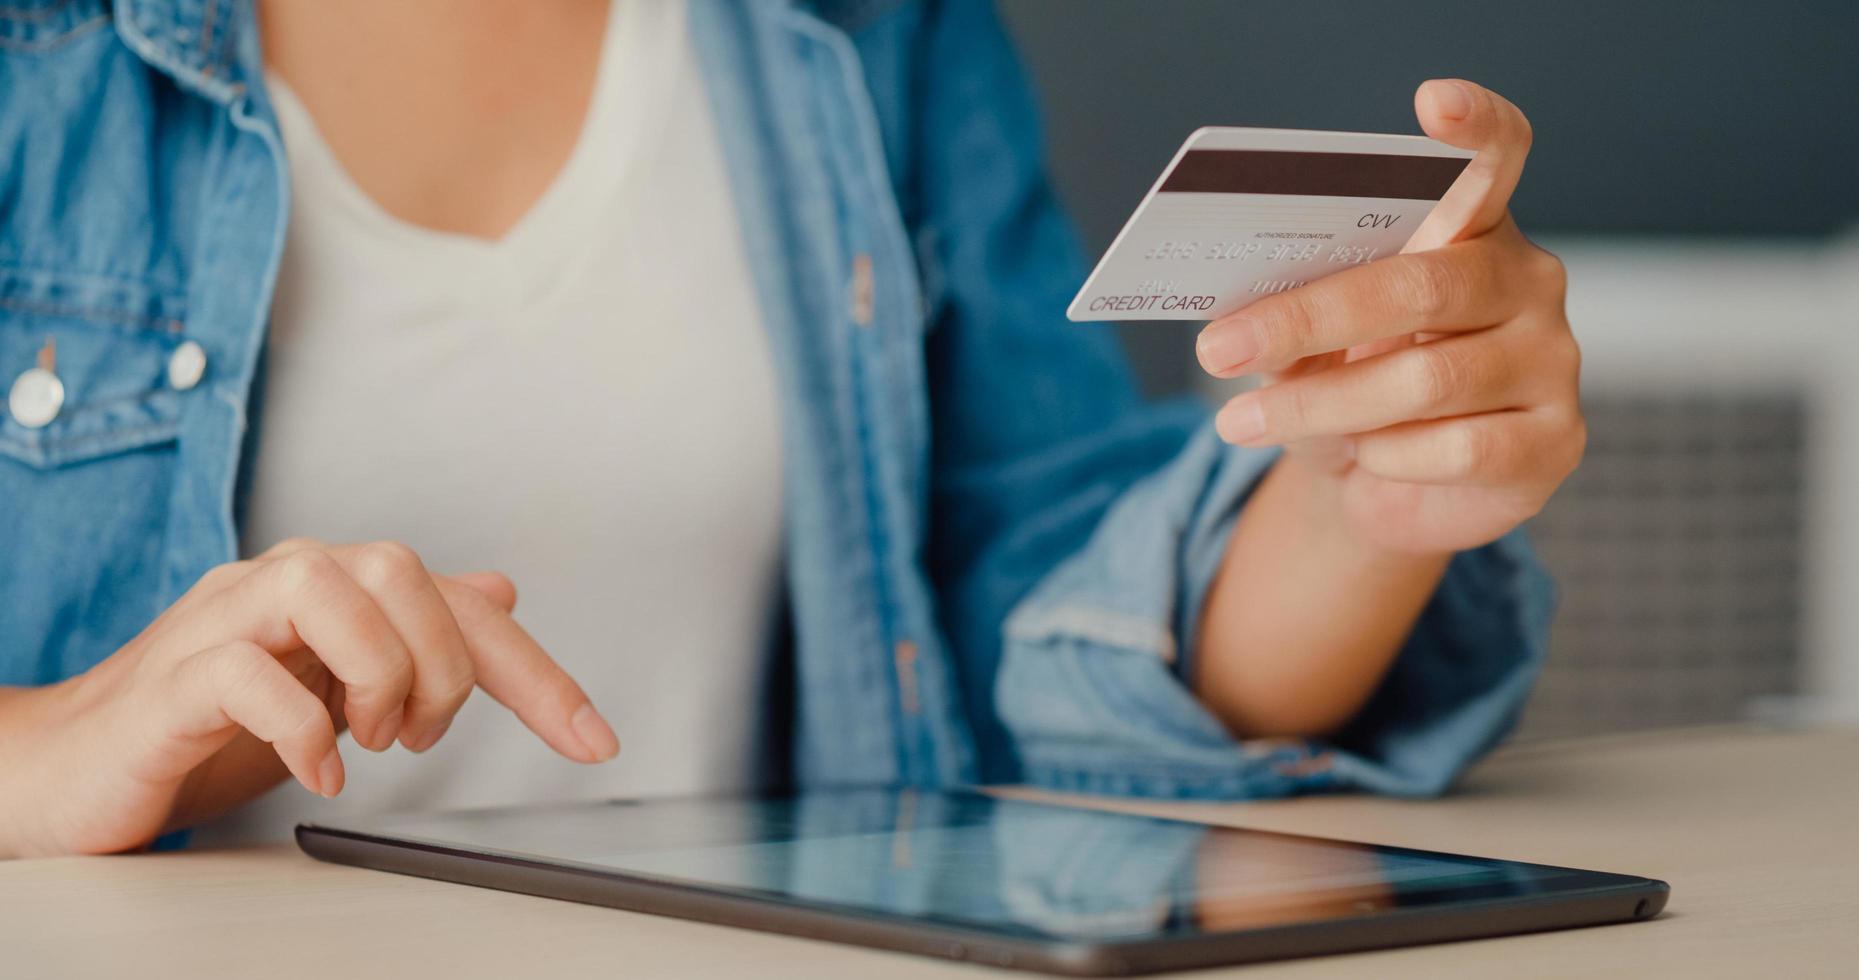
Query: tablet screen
x,y
979,861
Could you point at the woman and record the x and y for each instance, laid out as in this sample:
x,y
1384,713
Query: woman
x,y
733,331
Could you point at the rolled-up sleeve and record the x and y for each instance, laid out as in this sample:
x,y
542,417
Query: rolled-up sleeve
x,y
1092,681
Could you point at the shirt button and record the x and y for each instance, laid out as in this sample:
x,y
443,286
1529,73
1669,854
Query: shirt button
x,y
36,398
186,365
862,291
905,657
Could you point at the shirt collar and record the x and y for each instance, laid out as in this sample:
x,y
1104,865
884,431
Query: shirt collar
x,y
206,45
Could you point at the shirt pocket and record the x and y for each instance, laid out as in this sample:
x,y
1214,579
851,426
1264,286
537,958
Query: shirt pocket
x,y
31,26
110,345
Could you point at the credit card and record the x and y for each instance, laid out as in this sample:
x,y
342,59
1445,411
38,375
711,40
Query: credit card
x,y
1240,214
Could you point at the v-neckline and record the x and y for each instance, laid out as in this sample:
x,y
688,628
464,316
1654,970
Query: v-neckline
x,y
593,167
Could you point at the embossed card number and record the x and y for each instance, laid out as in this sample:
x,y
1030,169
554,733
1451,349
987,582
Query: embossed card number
x,y
1239,214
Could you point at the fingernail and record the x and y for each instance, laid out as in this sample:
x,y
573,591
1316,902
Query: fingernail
x,y
1450,97
389,729
595,733
427,739
1242,420
1227,346
329,774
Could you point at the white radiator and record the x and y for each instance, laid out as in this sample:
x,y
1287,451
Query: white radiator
x,y
1755,324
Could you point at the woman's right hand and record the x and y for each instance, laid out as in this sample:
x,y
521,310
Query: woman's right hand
x,y
251,675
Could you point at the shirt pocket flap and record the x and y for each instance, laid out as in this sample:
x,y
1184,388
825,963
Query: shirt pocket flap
x,y
31,26
109,344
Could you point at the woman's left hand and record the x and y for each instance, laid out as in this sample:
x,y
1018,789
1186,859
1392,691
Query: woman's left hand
x,y
1439,386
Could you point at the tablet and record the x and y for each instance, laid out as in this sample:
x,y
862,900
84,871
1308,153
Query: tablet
x,y
1002,881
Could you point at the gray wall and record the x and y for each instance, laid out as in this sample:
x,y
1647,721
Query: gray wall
x,y
1651,115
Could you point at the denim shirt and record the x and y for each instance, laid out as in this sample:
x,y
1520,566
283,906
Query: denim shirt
x,y
995,551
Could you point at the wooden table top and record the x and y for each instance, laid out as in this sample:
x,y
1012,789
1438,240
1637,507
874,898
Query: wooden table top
x,y
1757,831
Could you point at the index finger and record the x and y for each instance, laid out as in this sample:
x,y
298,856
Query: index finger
x,y
513,668
1466,286
1472,117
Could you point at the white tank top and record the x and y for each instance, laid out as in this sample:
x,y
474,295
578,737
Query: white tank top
x,y
587,405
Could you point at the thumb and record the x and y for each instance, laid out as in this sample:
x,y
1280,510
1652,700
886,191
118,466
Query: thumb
x,y
1459,113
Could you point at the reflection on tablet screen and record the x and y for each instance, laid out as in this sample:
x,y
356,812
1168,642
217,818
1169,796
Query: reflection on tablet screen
x,y
973,859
